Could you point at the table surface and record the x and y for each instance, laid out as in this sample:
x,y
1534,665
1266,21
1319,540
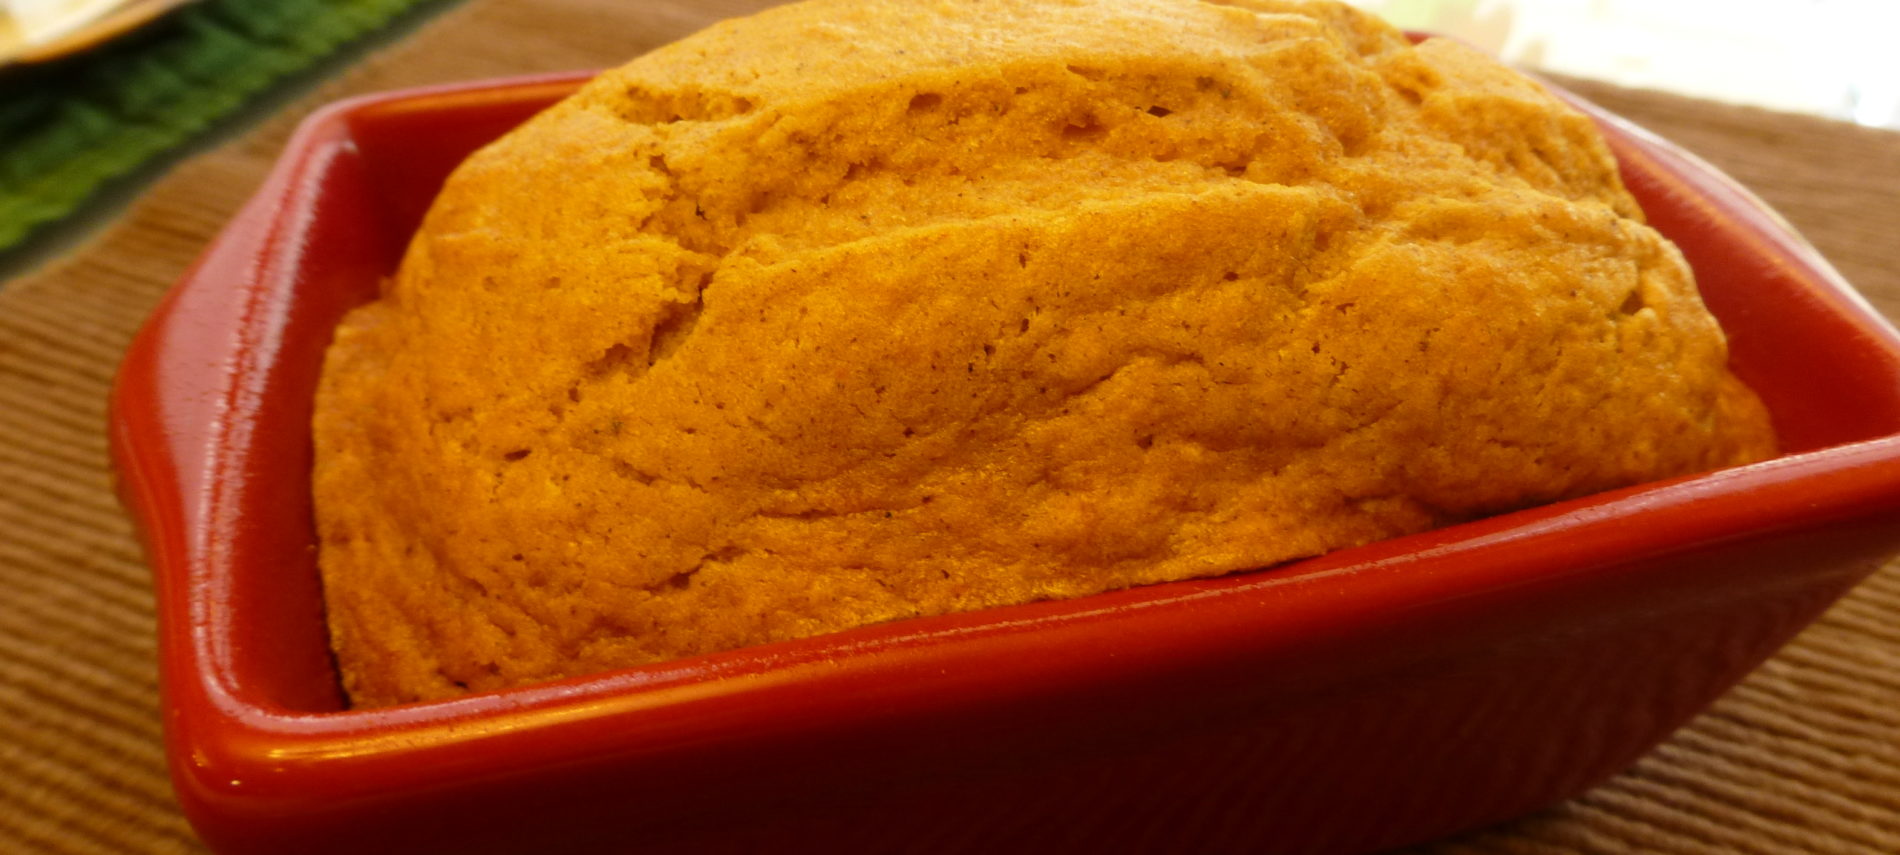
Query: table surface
x,y
1804,756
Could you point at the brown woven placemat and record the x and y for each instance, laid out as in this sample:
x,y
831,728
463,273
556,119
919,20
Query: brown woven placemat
x,y
1802,757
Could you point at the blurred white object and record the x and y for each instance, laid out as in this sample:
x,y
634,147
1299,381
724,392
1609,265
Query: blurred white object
x,y
1828,57
35,30
37,22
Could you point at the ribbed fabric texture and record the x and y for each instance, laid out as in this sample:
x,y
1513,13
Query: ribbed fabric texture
x,y
1804,757
68,127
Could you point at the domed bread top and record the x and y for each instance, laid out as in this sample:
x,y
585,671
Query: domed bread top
x,y
855,311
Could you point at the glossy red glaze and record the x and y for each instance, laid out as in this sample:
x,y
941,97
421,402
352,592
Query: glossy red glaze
x,y
1361,700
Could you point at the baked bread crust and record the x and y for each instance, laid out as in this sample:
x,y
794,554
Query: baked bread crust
x,y
859,310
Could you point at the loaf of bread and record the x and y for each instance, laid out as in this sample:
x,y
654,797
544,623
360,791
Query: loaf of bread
x,y
861,310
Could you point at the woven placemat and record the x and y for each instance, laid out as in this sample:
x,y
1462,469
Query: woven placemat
x,y
1802,757
68,127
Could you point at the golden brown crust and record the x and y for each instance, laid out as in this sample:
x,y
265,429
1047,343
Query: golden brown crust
x,y
854,311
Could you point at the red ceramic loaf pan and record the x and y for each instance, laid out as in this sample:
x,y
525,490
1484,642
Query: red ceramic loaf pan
x,y
1361,700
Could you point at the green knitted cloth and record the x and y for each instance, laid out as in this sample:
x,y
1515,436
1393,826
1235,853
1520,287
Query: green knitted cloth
x,y
69,127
